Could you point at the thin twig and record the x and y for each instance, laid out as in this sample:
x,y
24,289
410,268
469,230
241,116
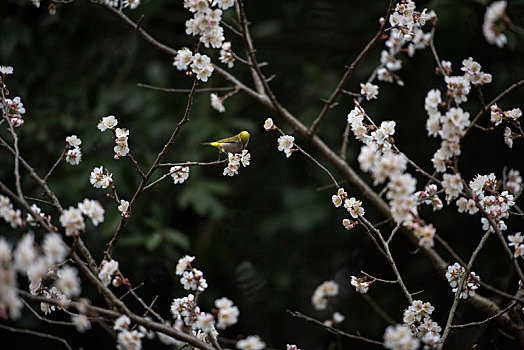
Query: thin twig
x,y
393,234
331,329
157,181
181,164
377,245
147,176
460,288
38,200
434,50
231,28
330,186
44,319
144,305
113,315
184,90
335,183
16,170
314,127
449,249
479,323
499,292
216,162
495,100
345,135
389,258
62,156
137,167
378,279
481,97
36,334
318,164
380,311
258,77
34,175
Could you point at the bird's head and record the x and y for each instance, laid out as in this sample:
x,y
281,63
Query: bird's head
x,y
244,137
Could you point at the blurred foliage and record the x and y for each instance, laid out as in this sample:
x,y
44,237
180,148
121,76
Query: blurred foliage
x,y
267,237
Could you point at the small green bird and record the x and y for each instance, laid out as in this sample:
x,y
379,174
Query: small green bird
x,y
233,144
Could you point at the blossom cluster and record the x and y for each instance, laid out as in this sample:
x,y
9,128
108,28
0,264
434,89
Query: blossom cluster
x,y
192,278
106,123
251,342
406,35
473,74
38,263
130,337
127,337
217,103
120,135
514,182
107,270
379,158
361,284
399,337
10,302
100,178
73,152
452,186
495,204
6,70
15,109
493,24
497,115
185,309
291,347
12,109
417,318
429,196
381,136
352,205
454,273
121,139
323,293
206,20
7,212
369,91
179,174
182,308
122,4
37,212
451,125
226,55
227,313
423,231
200,64
72,219
234,160
285,144
124,208
81,322
516,241
51,293
336,319
206,25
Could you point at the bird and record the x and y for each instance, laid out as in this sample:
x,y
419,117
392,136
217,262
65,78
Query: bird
x,y
233,144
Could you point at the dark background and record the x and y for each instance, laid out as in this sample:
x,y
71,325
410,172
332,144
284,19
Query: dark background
x,y
267,237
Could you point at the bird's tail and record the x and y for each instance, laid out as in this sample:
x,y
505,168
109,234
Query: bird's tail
x,y
214,144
